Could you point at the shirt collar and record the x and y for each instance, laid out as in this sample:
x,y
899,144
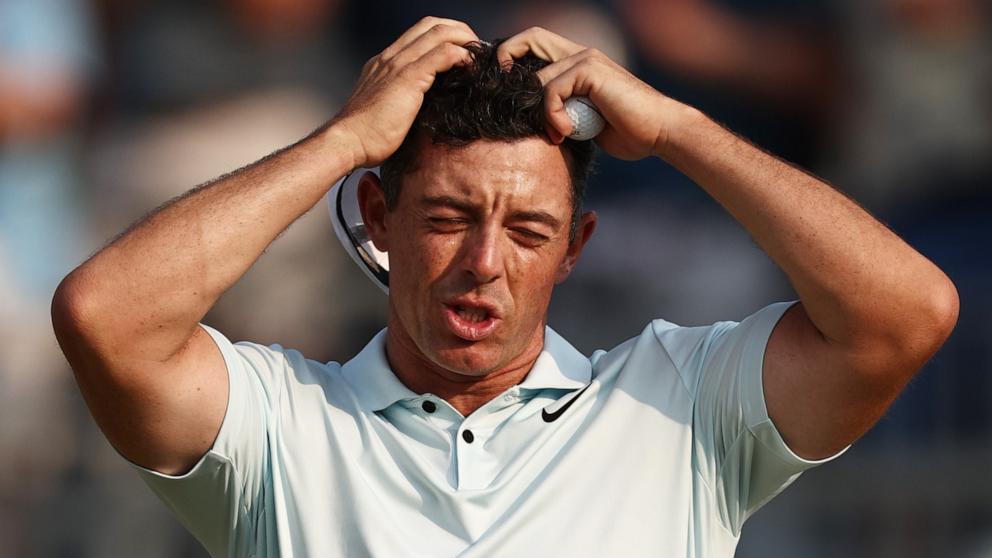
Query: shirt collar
x,y
559,366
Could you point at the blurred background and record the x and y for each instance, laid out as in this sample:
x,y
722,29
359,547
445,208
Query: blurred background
x,y
108,108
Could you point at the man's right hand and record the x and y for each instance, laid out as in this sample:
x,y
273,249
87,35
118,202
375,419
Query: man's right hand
x,y
127,319
392,85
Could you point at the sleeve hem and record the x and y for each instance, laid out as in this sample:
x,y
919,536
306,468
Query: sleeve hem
x,y
233,385
210,455
759,424
223,345
753,389
772,439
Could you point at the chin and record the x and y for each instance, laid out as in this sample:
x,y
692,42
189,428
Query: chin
x,y
468,361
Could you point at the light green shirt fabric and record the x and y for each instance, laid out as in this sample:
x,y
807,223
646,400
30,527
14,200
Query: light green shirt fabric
x,y
666,450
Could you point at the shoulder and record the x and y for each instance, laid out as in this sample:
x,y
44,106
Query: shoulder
x,y
277,371
661,340
651,358
666,350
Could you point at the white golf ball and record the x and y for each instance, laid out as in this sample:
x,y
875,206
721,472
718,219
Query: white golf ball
x,y
587,123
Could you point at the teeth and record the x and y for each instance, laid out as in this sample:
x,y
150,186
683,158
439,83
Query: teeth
x,y
474,315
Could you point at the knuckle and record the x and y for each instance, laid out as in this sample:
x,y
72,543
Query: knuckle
x,y
370,67
405,75
448,51
427,19
536,30
594,53
390,65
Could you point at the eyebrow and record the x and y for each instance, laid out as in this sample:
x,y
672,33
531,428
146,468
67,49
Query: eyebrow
x,y
448,201
534,215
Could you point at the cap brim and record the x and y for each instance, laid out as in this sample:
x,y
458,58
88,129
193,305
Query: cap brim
x,y
346,218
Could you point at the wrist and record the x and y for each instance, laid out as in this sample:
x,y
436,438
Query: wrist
x,y
345,145
679,122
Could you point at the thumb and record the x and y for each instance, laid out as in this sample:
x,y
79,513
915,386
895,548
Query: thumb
x,y
557,122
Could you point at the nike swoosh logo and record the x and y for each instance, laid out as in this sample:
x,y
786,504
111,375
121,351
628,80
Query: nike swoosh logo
x,y
551,417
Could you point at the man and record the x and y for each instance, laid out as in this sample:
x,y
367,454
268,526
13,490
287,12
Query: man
x,y
467,427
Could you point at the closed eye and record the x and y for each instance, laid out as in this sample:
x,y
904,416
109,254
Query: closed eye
x,y
448,224
529,237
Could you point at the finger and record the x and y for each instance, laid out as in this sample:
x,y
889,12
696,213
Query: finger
x,y
419,29
557,122
542,43
568,82
439,34
553,70
439,59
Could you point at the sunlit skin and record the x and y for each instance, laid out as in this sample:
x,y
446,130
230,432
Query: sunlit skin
x,y
480,226
872,311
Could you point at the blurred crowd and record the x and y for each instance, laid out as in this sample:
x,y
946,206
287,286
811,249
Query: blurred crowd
x,y
109,108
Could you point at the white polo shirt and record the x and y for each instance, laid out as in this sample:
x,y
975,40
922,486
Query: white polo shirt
x,y
659,447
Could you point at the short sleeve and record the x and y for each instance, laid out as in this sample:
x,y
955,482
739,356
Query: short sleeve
x,y
222,497
738,452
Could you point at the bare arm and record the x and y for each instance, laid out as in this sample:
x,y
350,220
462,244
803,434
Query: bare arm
x,y
127,319
872,310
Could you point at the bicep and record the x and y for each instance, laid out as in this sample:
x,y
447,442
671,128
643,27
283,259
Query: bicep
x,y
162,416
816,397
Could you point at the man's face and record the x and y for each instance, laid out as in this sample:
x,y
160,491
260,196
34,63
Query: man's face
x,y
476,242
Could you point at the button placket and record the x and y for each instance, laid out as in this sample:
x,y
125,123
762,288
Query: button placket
x,y
467,453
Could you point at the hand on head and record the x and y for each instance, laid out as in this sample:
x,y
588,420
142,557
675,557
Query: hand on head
x,y
392,84
636,114
391,88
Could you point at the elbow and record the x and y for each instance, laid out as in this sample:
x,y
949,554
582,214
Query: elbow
x,y
66,303
942,316
923,333
80,313
73,312
894,353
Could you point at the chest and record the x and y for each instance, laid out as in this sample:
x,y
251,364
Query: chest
x,y
611,475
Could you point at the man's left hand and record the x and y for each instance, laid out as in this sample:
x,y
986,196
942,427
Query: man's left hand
x,y
872,309
638,117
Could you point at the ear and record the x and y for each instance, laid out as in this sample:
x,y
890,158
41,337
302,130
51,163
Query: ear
x,y
583,231
372,204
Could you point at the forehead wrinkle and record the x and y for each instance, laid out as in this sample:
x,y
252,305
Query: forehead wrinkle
x,y
490,187
497,173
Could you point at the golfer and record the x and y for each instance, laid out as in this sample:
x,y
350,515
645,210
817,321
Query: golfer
x,y
467,427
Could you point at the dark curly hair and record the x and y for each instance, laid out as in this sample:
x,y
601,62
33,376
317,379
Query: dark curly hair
x,y
482,100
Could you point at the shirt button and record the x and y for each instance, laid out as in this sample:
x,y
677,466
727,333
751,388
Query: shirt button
x,y
428,406
468,436
508,397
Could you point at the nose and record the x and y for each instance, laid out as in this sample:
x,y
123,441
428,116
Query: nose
x,y
483,256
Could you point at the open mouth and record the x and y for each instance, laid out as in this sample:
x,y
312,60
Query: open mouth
x,y
474,315
472,323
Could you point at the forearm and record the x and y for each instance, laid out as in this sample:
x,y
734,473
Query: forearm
x,y
859,282
148,288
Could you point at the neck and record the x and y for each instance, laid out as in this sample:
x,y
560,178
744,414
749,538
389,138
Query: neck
x,y
464,392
